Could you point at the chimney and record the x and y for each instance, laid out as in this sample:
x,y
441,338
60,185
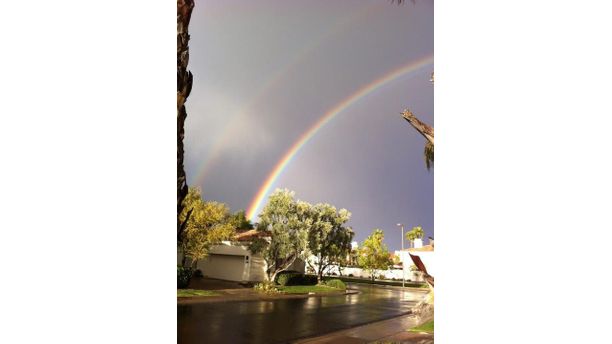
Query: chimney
x,y
418,243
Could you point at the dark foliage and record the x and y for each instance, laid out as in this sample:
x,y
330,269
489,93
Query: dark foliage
x,y
184,275
288,278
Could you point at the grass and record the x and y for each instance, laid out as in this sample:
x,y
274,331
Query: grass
x,y
381,282
194,292
304,289
426,327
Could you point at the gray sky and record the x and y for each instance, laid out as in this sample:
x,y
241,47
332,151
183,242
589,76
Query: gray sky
x,y
266,71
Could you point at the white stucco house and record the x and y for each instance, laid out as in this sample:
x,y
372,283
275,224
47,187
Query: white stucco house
x,y
425,252
232,261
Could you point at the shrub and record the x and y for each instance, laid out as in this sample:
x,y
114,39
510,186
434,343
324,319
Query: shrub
x,y
282,277
381,277
295,278
266,287
309,280
198,273
335,283
351,275
183,276
285,279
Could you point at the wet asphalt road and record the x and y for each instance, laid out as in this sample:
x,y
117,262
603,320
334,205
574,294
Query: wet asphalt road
x,y
281,321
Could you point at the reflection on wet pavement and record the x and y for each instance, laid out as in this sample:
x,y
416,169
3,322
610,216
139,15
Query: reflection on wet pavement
x,y
282,320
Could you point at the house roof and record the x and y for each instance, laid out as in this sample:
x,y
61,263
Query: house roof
x,y
249,235
421,249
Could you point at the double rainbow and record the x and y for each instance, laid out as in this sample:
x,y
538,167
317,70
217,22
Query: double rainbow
x,y
365,90
277,79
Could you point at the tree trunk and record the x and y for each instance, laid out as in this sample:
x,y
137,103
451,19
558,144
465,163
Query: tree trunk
x,y
320,272
279,267
184,82
424,129
184,261
269,271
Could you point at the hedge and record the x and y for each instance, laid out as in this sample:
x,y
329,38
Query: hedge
x,y
295,278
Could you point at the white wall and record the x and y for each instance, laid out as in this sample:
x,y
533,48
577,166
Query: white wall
x,y
253,269
388,274
427,257
224,266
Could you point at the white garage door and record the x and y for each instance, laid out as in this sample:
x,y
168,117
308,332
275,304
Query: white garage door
x,y
224,267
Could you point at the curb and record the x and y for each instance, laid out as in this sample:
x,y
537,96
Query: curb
x,y
425,290
263,297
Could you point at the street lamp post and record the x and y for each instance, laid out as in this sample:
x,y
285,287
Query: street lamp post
x,y
402,255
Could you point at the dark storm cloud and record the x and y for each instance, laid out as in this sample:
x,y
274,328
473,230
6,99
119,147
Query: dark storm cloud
x,y
367,160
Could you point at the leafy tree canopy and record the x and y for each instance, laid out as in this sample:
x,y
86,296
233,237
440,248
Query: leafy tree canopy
x,y
329,240
416,233
373,253
209,224
286,222
239,220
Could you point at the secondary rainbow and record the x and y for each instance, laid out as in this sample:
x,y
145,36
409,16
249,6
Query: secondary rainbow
x,y
277,79
404,70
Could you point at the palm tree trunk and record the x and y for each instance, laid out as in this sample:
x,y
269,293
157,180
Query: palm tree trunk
x,y
184,82
424,129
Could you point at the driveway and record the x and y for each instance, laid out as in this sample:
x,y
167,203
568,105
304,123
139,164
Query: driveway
x,y
284,320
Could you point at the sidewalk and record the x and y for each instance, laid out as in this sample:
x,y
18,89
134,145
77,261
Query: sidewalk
x,y
386,331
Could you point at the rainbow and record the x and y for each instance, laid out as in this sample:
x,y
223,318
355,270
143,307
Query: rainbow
x,y
365,90
281,76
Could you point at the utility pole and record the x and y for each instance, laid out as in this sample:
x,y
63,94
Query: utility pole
x,y
402,256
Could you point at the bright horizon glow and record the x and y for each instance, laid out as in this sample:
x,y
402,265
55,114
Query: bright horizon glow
x,y
257,202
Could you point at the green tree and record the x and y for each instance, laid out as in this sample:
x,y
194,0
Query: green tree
x,y
209,223
286,221
415,233
329,240
239,220
396,260
373,253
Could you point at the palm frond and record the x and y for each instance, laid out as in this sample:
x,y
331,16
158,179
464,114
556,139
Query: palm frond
x,y
429,155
